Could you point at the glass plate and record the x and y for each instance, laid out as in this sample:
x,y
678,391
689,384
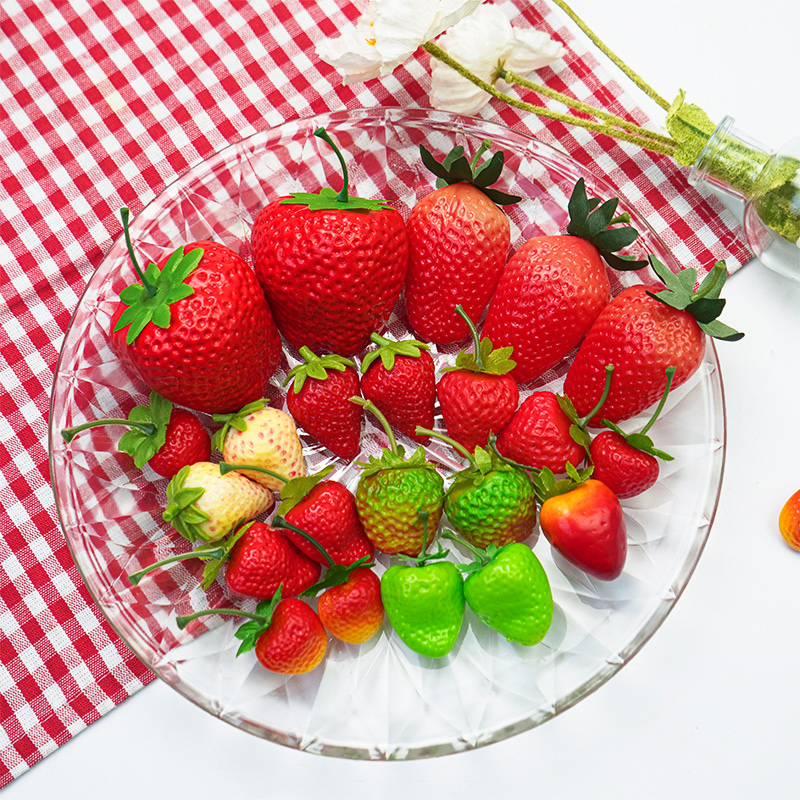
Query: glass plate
x,y
378,700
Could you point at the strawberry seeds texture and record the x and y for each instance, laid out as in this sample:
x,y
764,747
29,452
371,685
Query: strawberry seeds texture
x,y
203,330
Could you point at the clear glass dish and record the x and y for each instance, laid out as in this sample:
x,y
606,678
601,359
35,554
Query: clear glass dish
x,y
378,700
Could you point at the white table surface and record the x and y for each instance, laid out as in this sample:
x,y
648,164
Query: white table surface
x,y
710,707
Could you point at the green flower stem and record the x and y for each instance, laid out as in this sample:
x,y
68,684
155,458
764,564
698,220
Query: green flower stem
x,y
280,522
635,77
125,215
147,428
184,620
217,552
457,446
322,134
670,371
476,339
368,405
569,119
619,122
609,368
225,468
485,145
480,555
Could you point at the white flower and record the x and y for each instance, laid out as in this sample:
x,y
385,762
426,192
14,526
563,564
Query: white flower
x,y
483,43
388,33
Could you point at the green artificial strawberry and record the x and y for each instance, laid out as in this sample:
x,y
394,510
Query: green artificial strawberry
x,y
553,287
477,396
203,504
160,435
490,502
508,590
391,492
332,266
424,602
318,399
197,329
459,241
642,331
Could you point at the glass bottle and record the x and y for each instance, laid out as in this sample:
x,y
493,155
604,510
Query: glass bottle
x,y
767,182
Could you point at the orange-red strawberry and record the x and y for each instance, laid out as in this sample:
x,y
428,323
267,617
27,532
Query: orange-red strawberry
x,y
353,611
477,397
332,266
160,435
642,331
789,521
459,241
400,378
318,399
553,287
197,329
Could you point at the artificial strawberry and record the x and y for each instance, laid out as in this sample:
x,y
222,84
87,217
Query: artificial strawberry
x,y
261,436
319,401
286,633
197,329
489,502
400,378
628,462
204,504
459,241
332,266
789,521
160,435
583,520
553,287
546,432
393,490
642,331
477,396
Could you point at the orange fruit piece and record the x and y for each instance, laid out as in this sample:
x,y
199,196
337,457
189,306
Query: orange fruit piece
x,y
789,521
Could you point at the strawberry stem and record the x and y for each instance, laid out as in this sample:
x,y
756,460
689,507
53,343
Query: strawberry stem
x,y
368,405
481,555
217,552
609,368
147,428
475,337
226,467
457,446
485,145
323,134
125,215
280,522
670,372
185,619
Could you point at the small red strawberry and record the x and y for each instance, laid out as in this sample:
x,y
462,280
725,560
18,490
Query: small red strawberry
x,y
353,611
459,241
287,634
583,520
197,329
332,266
160,435
400,378
477,397
553,287
628,462
319,401
642,331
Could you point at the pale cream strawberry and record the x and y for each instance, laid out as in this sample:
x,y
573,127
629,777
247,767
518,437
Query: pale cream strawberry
x,y
268,440
204,504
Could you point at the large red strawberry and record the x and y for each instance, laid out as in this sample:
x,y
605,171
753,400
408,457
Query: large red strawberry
x,y
642,331
477,396
319,401
553,287
459,242
197,329
400,378
332,266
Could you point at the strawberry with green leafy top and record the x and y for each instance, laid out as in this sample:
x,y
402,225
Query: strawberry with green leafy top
x,y
261,436
391,492
553,287
318,399
400,378
477,396
160,435
197,329
203,504
459,241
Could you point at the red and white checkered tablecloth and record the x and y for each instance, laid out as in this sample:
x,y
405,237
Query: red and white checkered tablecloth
x,y
102,104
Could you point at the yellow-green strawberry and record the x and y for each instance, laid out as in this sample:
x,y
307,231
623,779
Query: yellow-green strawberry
x,y
261,436
203,504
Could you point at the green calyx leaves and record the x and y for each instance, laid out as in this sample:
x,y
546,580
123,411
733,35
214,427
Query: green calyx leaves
x,y
181,511
328,199
395,459
297,489
388,350
639,441
315,367
149,300
597,222
137,442
455,168
704,304
690,127
546,485
249,632
486,359
336,575
235,420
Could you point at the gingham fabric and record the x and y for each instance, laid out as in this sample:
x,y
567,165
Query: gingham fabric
x,y
103,103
